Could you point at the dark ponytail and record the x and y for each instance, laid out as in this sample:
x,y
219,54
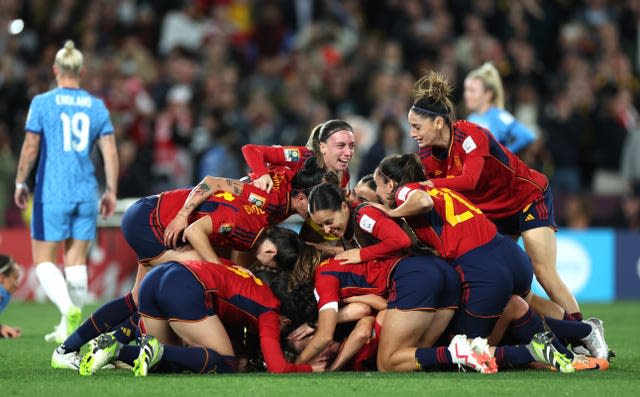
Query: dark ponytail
x,y
326,196
401,169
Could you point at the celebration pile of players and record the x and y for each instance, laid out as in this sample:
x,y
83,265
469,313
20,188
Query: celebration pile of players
x,y
414,268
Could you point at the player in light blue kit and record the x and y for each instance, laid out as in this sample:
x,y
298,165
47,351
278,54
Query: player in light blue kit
x,y
484,97
62,127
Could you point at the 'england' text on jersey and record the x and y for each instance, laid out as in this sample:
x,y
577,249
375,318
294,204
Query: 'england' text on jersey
x,y
84,101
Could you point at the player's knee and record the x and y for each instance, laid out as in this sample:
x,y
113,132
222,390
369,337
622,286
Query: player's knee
x,y
516,307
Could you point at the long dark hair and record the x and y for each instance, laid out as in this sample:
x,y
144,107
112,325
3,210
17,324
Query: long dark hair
x,y
288,244
7,265
401,168
326,196
308,177
298,304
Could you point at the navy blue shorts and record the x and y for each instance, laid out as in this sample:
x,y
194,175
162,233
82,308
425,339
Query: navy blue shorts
x,y
423,283
490,274
171,292
141,230
539,213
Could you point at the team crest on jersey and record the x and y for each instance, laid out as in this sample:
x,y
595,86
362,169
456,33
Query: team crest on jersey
x,y
225,228
292,155
367,223
468,145
403,193
257,200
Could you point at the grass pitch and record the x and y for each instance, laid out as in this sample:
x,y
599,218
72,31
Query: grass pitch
x,y
25,370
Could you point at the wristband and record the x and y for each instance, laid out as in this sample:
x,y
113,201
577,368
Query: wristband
x,y
21,186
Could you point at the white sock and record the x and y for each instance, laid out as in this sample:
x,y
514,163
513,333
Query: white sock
x,y
54,286
77,283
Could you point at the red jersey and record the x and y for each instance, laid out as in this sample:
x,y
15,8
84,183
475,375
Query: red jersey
x,y
277,202
259,158
335,281
237,223
453,227
241,300
377,235
486,172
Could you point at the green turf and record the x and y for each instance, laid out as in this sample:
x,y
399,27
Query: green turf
x,y
25,371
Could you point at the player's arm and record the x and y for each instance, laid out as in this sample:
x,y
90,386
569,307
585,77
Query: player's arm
x,y
360,335
198,195
197,234
468,179
107,144
269,329
28,157
375,302
327,320
391,236
417,202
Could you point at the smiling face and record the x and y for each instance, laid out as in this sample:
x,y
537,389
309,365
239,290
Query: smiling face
x,y
333,222
428,131
476,98
338,150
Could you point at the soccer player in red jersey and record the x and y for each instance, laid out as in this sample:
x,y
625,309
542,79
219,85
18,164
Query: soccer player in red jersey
x,y
331,143
278,204
467,158
276,248
491,267
491,272
204,307
422,291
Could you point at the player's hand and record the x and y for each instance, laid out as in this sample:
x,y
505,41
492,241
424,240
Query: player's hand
x,y
9,332
318,364
427,183
21,196
107,204
349,256
264,182
174,230
301,332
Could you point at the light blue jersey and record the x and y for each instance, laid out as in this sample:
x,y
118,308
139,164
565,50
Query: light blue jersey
x,y
69,121
507,130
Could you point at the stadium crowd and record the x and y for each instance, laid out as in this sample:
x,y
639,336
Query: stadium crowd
x,y
189,82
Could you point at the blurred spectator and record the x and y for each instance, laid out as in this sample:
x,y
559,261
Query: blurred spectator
x,y
390,141
222,158
172,162
7,172
563,127
628,215
613,118
576,213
